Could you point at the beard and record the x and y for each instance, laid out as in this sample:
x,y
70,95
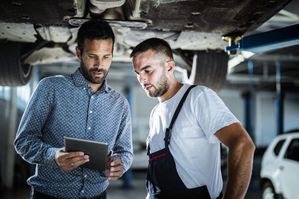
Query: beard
x,y
89,74
161,88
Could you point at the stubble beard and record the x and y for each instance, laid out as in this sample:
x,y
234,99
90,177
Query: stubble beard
x,y
161,88
87,73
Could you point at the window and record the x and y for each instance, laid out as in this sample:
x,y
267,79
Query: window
x,y
293,150
278,147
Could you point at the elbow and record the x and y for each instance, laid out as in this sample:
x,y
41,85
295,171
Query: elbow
x,y
251,145
17,145
248,146
21,146
244,146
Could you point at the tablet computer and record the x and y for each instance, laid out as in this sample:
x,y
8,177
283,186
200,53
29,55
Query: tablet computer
x,y
97,151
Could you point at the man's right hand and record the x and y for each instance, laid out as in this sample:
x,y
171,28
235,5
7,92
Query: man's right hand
x,y
68,161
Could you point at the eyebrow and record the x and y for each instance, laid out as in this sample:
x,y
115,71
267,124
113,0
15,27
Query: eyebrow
x,y
143,68
92,53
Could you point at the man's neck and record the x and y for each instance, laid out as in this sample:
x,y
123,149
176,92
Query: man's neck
x,y
173,89
95,87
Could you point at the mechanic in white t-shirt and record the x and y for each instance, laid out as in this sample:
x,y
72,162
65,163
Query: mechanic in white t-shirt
x,y
186,129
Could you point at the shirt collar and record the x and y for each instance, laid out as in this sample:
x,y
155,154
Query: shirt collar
x,y
80,81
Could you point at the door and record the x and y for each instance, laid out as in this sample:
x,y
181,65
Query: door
x,y
290,170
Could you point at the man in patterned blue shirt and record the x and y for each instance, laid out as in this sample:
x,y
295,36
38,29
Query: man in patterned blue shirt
x,y
79,105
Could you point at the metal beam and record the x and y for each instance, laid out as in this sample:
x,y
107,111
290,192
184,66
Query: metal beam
x,y
259,79
279,102
271,40
273,58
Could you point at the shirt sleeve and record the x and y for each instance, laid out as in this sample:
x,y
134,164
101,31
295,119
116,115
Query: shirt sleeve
x,y
211,113
123,147
28,142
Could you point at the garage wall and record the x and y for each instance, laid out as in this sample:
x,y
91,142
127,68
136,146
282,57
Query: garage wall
x,y
264,125
291,112
265,121
233,100
264,113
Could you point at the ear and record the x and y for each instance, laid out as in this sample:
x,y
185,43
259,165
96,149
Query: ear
x,y
170,65
78,52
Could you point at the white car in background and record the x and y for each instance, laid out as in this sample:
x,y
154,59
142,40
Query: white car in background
x,y
280,167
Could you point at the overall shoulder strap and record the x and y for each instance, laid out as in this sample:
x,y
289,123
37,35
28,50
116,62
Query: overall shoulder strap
x,y
175,115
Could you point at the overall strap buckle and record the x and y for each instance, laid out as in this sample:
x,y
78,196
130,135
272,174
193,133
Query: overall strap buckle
x,y
167,136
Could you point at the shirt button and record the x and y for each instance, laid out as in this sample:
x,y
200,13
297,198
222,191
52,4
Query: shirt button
x,y
85,176
89,128
82,191
90,111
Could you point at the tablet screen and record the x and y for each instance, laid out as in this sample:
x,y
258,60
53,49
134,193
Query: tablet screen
x,y
97,151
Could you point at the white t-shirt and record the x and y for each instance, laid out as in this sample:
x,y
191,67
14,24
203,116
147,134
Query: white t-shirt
x,y
195,148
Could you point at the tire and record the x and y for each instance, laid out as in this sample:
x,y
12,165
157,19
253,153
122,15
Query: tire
x,y
209,69
12,71
269,192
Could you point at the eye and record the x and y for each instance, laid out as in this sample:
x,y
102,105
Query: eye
x,y
147,71
107,56
90,56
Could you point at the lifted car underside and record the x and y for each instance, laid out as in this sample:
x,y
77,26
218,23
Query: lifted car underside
x,y
44,31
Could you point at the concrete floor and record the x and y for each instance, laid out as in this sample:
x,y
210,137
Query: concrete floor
x,y
115,190
138,191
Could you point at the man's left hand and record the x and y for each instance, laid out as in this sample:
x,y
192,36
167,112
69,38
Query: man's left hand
x,y
114,168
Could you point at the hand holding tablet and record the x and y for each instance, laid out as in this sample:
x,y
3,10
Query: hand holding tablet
x,y
97,152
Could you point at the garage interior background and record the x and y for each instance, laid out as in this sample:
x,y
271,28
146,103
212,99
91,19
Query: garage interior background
x,y
261,89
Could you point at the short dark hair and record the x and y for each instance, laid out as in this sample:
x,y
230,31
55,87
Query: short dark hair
x,y
94,29
155,44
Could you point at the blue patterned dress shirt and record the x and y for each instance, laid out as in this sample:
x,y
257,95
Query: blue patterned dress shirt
x,y
65,106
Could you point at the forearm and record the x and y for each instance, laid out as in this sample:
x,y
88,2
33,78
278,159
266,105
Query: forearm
x,y
240,160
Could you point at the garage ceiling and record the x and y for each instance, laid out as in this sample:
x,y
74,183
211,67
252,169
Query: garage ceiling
x,y
261,70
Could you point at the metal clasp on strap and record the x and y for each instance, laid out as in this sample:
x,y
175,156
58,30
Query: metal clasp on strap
x,y
167,136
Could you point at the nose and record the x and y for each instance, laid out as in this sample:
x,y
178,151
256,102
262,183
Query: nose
x,y
142,78
97,62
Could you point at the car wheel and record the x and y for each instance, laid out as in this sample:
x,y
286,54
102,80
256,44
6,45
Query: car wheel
x,y
268,191
12,71
209,69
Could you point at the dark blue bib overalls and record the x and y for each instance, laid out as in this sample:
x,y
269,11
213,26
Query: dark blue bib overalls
x,y
163,181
